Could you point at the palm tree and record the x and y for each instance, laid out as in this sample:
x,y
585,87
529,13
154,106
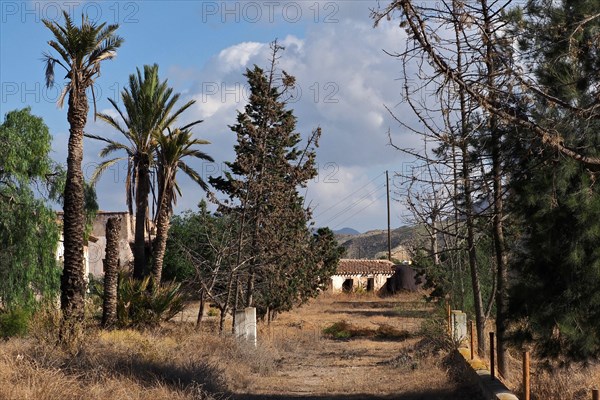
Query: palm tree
x,y
148,111
81,50
172,148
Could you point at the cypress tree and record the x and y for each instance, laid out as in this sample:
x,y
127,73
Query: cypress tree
x,y
263,185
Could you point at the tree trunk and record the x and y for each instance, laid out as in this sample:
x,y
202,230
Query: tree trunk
x,y
222,316
160,242
141,210
73,283
200,310
498,229
467,188
250,288
235,303
111,262
477,300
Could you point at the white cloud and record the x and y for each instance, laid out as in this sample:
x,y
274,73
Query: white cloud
x,y
344,80
236,57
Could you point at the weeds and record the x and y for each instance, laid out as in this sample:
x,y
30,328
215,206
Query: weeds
x,y
343,330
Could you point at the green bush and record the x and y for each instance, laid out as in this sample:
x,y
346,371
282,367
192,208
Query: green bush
x,y
345,330
338,330
14,323
140,305
212,312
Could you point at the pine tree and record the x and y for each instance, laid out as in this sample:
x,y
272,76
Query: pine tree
x,y
557,198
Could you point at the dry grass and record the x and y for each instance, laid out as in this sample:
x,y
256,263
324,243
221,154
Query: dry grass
x,y
293,359
550,381
173,362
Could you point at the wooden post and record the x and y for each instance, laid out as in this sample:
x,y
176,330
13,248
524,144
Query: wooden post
x,y
389,232
492,357
595,394
449,317
526,383
472,339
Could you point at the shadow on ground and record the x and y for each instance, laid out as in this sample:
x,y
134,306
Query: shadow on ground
x,y
383,304
386,313
466,393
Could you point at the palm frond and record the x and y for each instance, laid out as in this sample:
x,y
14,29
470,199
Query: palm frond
x,y
61,99
49,72
191,124
110,120
193,174
101,168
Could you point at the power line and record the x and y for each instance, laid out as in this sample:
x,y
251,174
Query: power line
x,y
362,209
348,196
354,204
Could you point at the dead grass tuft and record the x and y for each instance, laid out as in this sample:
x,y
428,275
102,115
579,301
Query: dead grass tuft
x,y
551,381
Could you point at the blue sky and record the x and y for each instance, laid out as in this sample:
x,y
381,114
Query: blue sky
x,y
203,47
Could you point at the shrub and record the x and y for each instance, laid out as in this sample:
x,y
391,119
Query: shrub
x,y
138,305
338,330
14,323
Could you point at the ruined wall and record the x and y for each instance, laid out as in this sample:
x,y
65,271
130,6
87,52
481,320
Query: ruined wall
x,y
359,281
97,249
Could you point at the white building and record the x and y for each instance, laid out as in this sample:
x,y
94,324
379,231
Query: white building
x,y
360,274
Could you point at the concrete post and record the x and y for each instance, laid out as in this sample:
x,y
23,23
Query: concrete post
x,y
250,322
459,326
240,324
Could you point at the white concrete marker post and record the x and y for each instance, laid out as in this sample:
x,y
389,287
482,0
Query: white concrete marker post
x,y
459,326
240,324
250,323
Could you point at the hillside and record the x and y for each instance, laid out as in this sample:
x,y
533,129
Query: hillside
x,y
373,244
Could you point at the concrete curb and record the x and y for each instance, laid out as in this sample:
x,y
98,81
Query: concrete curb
x,y
479,372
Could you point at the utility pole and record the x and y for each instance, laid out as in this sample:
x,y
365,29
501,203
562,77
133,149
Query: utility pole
x,y
387,183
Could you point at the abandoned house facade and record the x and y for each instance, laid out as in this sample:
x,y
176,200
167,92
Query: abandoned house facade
x,y
360,274
95,250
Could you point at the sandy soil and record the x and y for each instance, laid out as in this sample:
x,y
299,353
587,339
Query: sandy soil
x,y
310,366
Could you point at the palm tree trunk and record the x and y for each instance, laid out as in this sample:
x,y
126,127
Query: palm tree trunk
x,y
73,284
111,262
160,243
141,208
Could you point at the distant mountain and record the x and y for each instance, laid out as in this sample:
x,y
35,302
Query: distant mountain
x,y
373,244
346,231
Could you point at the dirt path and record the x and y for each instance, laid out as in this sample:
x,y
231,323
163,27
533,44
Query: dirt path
x,y
309,365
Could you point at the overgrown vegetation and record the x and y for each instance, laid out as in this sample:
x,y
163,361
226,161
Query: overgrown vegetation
x,y
346,330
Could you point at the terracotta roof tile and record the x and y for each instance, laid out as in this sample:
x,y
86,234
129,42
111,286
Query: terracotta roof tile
x,y
348,266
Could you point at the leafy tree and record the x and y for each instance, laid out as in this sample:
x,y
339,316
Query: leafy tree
x,y
557,199
201,251
29,233
81,51
149,109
